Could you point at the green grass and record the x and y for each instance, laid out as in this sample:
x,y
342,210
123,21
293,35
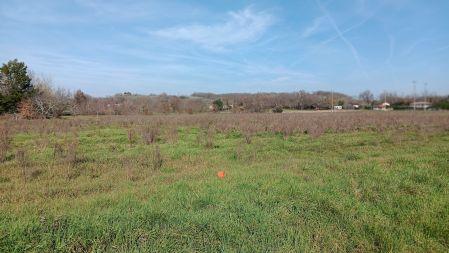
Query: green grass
x,y
363,191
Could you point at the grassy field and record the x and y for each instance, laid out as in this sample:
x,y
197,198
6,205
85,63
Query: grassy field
x,y
107,187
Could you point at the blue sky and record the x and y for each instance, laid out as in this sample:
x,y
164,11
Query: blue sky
x,y
179,47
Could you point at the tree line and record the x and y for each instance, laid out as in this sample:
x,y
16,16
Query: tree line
x,y
27,95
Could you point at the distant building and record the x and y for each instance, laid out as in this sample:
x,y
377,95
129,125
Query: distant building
x,y
420,105
384,106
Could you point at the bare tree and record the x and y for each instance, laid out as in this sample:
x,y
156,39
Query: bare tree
x,y
49,102
367,97
80,102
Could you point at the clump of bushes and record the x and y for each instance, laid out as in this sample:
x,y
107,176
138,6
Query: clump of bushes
x,y
277,109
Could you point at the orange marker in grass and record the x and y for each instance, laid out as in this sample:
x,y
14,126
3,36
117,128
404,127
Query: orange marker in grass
x,y
221,174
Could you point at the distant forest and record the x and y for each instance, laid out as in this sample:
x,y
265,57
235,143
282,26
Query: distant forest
x,y
127,103
29,96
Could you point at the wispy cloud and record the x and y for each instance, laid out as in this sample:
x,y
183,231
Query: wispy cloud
x,y
315,27
340,34
323,43
409,50
242,26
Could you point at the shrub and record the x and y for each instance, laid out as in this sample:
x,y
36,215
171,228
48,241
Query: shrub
x,y
277,109
27,110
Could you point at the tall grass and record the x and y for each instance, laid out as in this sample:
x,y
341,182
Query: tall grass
x,y
287,124
358,182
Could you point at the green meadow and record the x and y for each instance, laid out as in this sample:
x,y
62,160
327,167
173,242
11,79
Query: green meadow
x,y
103,189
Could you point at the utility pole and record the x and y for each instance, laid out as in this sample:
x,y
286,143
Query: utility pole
x,y
425,97
414,95
332,99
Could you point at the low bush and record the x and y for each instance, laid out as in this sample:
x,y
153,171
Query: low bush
x,y
277,109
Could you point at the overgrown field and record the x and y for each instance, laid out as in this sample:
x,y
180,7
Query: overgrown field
x,y
364,181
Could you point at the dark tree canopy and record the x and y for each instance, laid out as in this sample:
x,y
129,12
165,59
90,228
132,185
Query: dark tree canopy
x,y
15,85
218,105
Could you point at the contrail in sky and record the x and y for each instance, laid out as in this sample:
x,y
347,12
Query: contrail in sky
x,y
351,47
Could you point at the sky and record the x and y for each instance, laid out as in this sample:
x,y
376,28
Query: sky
x,y
104,47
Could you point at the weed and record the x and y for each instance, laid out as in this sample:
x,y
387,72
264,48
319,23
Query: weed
x,y
210,131
128,168
149,134
248,136
72,157
22,161
173,135
131,136
238,153
58,150
5,142
156,158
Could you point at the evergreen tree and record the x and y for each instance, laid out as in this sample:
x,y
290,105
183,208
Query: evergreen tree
x,y
15,85
218,105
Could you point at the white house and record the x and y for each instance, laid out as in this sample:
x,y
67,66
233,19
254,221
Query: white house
x,y
420,105
384,106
